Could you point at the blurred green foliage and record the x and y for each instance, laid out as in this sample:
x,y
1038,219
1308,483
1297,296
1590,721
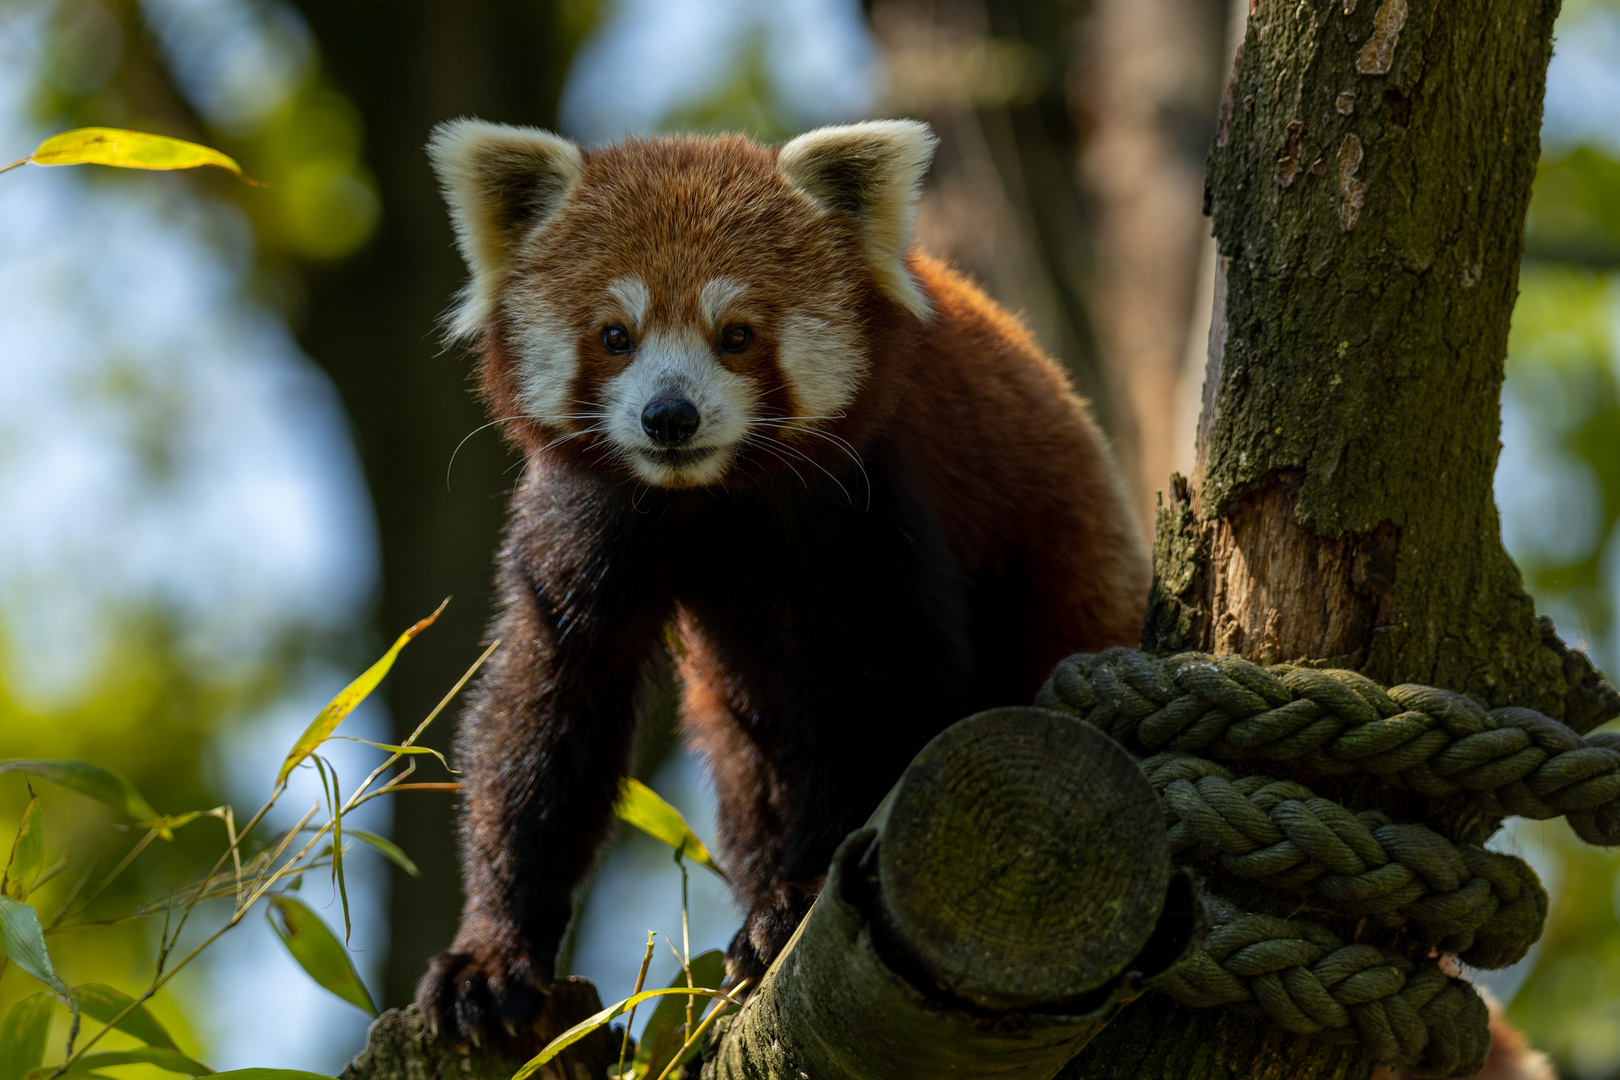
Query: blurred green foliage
x,y
149,708
1575,216
1564,378
303,140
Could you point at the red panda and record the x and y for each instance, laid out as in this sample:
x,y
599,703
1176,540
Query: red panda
x,y
865,498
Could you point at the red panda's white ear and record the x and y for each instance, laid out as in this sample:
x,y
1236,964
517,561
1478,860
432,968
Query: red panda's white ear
x,y
501,182
872,171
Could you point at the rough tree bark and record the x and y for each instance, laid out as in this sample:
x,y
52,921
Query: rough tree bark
x,y
1368,185
1011,893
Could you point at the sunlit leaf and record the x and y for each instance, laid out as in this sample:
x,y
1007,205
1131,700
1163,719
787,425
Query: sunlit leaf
x,y
324,724
103,1003
23,1034
337,855
27,852
169,822
161,1056
661,1039
103,785
130,150
270,1074
392,851
596,1020
641,806
318,950
394,748
23,939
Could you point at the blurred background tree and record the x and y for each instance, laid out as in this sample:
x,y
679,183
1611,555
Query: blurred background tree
x,y
228,424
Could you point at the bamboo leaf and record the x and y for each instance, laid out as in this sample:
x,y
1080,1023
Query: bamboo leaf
x,y
23,939
640,805
394,748
126,149
27,852
391,851
102,785
327,721
661,1039
596,1020
23,1034
337,856
103,1003
318,951
161,1056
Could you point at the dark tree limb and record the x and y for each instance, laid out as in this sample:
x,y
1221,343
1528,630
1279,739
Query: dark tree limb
x,y
1013,891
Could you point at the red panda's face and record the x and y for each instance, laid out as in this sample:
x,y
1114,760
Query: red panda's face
x,y
687,308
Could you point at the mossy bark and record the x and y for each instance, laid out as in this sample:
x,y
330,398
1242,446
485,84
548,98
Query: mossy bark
x,y
1011,893
1368,185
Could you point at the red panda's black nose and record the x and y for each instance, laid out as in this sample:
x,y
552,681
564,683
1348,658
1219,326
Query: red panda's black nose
x,y
669,421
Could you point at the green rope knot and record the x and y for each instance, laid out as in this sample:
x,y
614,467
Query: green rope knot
x,y
1304,979
1484,907
1509,760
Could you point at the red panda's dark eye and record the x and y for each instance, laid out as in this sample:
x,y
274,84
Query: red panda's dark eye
x,y
616,338
735,338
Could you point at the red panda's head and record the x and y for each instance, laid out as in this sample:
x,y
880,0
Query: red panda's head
x,y
691,310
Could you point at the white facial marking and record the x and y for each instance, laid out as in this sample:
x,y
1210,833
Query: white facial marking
x,y
823,362
717,295
632,296
678,364
547,364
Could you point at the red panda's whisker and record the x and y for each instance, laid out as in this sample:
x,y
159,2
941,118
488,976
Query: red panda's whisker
x,y
778,457
810,460
470,434
851,453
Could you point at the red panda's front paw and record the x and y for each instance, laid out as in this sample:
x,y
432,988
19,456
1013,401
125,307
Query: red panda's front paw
x,y
482,1001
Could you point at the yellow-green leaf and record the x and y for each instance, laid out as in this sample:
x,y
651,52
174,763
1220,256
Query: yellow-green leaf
x,y
661,1039
103,785
130,150
161,1056
27,852
596,1020
102,1003
23,939
641,806
318,950
394,748
270,1074
23,1034
324,724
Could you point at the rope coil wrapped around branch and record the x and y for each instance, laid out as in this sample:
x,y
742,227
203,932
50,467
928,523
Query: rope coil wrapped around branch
x,y
1486,908
1192,710
1509,760
1306,980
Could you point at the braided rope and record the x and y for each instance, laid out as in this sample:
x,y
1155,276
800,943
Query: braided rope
x,y
1484,907
1511,760
1306,980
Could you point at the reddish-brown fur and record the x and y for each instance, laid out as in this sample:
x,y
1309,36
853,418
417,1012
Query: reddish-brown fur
x,y
834,614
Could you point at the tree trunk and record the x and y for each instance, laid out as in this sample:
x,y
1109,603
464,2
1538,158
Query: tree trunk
x,y
1368,184
409,65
